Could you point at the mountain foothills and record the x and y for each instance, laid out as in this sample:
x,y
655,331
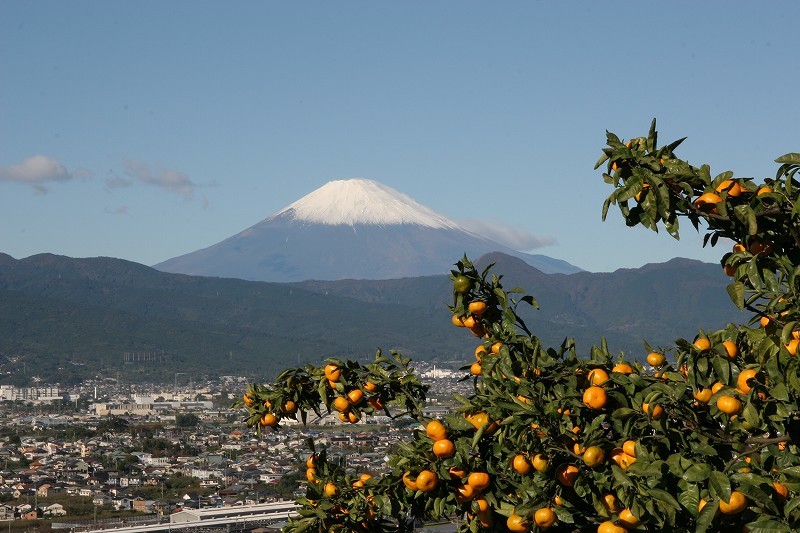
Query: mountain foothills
x,y
64,319
356,228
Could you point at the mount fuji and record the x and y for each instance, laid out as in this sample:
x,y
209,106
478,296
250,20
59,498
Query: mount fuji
x,y
348,229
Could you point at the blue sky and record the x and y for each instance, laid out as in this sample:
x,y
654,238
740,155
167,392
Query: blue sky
x,y
146,130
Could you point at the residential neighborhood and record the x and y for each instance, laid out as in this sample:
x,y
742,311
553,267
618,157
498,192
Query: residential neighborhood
x,y
98,454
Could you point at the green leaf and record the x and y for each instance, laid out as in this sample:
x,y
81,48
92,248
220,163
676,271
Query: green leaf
x,y
621,477
706,516
720,485
690,496
792,158
697,472
780,392
736,293
664,497
767,526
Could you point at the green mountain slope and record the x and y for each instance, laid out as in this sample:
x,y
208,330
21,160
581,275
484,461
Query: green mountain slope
x,y
63,319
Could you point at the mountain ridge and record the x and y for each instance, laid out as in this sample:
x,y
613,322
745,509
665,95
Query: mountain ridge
x,y
67,318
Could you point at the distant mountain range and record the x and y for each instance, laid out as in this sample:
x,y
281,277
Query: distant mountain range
x,y
63,319
347,229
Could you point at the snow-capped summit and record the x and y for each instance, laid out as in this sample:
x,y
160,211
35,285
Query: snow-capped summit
x,y
360,201
358,229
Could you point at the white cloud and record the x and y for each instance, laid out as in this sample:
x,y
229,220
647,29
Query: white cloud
x,y
169,180
36,171
514,237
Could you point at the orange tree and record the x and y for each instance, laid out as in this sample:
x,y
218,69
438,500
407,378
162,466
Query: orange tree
x,y
702,438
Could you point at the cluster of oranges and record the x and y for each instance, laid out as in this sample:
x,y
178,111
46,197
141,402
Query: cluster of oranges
x,y
347,400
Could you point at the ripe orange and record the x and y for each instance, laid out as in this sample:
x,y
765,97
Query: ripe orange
x,y
735,505
496,347
311,462
341,404
480,505
610,502
730,270
539,462
628,520
731,349
703,395
595,397
702,503
481,419
477,307
732,187
656,412
610,527
593,456
518,523
333,372
622,459
764,190
707,202
458,321
480,351
656,359
729,405
470,322
370,386
456,473
331,490
352,417
716,387
465,493
558,500
436,430
410,484
427,481
479,481
792,347
597,376
376,403
248,399
311,475
702,344
567,474
269,420
623,368
738,247
476,369
355,396
289,407
742,382
781,491
444,448
629,447
544,517
765,320
521,464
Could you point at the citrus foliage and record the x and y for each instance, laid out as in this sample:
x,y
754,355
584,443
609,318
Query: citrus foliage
x,y
704,438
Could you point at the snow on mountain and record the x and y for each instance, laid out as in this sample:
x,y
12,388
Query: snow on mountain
x,y
361,201
356,229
